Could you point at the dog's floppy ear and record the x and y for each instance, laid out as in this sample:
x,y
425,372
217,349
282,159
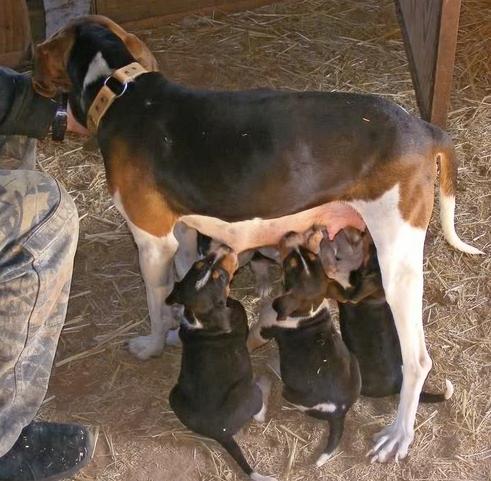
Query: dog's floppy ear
x,y
141,52
284,306
50,61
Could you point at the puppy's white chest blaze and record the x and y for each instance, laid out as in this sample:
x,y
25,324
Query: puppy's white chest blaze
x,y
257,232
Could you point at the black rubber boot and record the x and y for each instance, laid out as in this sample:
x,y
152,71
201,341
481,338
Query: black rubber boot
x,y
48,452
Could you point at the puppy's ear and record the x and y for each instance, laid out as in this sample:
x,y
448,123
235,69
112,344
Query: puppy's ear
x,y
175,297
327,254
284,306
368,248
50,62
352,235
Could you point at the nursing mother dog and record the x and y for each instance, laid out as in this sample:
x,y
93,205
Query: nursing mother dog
x,y
247,167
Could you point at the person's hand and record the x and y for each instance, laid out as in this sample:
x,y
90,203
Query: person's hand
x,y
72,125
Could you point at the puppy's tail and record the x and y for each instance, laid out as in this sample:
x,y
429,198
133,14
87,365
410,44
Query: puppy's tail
x,y
445,154
428,397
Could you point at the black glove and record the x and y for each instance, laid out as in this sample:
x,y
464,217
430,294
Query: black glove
x,y
22,110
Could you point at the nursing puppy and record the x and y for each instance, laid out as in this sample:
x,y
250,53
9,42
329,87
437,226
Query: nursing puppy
x,y
366,320
321,377
259,260
215,394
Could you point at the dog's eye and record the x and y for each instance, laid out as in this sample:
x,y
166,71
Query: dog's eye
x,y
200,265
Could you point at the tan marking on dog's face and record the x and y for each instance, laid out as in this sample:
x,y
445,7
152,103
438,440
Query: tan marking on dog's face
x,y
144,205
51,57
293,262
314,237
229,263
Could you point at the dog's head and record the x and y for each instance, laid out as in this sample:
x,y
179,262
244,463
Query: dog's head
x,y
52,57
205,288
304,279
347,252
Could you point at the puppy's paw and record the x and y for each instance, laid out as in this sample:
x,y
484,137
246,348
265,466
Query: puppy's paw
x,y
260,477
145,347
324,458
392,442
173,338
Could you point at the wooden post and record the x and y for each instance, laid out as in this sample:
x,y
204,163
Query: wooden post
x,y
15,32
430,29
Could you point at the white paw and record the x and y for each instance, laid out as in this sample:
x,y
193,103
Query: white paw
x,y
392,442
260,477
324,458
260,416
145,347
173,338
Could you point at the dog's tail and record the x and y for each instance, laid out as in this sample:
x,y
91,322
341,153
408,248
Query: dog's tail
x,y
445,154
428,397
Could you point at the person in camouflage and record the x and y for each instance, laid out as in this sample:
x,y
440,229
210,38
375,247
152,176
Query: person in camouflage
x,y
38,239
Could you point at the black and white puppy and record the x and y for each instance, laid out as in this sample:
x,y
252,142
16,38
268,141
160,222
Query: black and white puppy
x,y
216,394
320,376
366,320
259,260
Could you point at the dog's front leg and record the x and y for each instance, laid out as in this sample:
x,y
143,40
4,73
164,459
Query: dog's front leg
x,y
400,252
156,263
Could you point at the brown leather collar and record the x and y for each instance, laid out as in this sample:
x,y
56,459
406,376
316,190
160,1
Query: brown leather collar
x,y
106,96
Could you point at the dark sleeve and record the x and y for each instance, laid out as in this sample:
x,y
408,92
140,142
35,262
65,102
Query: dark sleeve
x,y
22,110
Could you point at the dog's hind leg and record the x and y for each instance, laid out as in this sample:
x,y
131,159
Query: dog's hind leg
x,y
156,263
234,450
336,428
264,384
400,252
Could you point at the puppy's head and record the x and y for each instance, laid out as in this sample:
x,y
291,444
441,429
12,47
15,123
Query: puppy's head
x,y
304,279
52,56
347,252
204,289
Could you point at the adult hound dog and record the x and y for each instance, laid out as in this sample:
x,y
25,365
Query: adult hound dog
x,y
247,167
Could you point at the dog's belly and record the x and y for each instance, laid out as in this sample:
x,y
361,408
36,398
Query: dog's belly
x,y
253,233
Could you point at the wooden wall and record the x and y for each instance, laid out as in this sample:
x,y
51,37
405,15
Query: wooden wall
x,y
151,13
15,32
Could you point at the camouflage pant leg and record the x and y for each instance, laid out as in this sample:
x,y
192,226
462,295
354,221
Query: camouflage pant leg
x,y
38,238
